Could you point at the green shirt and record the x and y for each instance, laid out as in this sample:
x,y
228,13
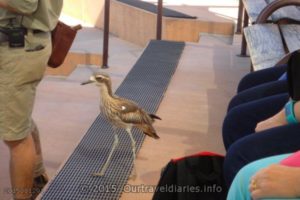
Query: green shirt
x,y
38,14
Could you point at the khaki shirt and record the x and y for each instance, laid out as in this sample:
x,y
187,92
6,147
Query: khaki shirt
x,y
38,14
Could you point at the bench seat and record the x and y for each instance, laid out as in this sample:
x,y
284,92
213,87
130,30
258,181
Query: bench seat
x,y
264,44
291,35
268,44
254,8
282,12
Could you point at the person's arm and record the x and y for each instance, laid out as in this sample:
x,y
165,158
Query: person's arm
x,y
24,7
276,181
3,4
278,120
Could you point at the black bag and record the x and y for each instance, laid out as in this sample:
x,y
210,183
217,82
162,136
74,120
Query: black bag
x,y
196,177
293,76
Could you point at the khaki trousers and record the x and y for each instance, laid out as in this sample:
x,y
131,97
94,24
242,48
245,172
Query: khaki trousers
x,y
21,70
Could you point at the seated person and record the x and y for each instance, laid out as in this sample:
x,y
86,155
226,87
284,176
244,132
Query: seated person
x,y
253,90
273,177
259,84
272,136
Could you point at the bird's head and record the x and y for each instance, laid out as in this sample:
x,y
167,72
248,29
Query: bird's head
x,y
98,77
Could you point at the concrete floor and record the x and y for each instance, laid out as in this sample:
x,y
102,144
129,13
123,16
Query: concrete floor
x,y
192,110
64,110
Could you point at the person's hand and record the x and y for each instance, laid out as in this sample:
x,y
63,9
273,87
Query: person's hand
x,y
267,124
276,120
275,181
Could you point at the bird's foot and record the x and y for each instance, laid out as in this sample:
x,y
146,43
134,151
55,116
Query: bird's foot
x,y
133,145
133,148
133,176
98,174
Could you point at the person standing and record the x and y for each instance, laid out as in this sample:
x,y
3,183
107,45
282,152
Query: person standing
x,y
25,47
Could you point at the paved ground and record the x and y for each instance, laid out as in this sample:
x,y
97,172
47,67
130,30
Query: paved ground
x,y
192,110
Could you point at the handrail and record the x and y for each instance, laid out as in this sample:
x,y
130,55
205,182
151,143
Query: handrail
x,y
106,34
272,7
159,19
240,17
106,29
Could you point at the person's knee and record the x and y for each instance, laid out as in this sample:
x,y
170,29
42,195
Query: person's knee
x,y
233,162
13,144
243,84
239,187
226,131
231,125
19,145
235,101
246,82
245,173
227,168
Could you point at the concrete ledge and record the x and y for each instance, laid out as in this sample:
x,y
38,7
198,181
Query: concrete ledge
x,y
87,50
151,7
71,62
139,26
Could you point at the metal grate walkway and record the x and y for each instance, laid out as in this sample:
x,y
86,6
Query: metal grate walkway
x,y
151,73
150,7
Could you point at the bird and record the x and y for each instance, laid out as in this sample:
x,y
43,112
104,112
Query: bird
x,y
121,113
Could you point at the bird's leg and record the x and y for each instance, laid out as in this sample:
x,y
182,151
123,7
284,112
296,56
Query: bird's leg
x,y
133,148
108,160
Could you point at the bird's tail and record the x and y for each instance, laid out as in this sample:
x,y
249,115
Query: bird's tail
x,y
154,116
149,130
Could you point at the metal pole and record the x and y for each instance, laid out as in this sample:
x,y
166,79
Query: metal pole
x,y
244,43
106,34
159,19
240,17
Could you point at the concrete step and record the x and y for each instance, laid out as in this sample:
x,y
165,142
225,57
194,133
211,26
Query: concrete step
x,y
215,39
87,49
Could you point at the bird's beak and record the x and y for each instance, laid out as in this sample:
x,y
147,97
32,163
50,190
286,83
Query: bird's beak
x,y
92,80
87,82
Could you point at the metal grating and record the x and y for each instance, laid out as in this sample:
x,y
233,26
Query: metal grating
x,y
150,7
151,73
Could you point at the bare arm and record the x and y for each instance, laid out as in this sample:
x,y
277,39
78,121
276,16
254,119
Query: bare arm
x,y
278,119
297,110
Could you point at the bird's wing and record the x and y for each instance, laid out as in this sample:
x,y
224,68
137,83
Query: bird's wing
x,y
136,117
124,105
129,112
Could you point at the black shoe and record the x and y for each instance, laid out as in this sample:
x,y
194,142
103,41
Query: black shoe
x,y
39,183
